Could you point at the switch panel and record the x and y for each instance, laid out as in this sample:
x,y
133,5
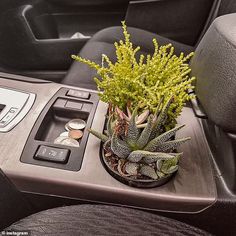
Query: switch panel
x,y
52,154
40,148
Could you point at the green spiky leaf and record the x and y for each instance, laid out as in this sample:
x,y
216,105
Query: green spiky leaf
x,y
110,126
131,168
149,157
101,136
153,144
160,121
159,156
171,170
119,147
160,174
171,145
134,157
148,171
133,131
170,166
159,164
145,135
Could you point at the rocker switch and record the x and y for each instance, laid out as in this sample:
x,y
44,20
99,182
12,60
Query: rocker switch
x,y
78,94
52,154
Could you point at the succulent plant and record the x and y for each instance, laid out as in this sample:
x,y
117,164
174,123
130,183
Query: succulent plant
x,y
139,144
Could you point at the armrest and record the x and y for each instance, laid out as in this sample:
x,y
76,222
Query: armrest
x,y
181,20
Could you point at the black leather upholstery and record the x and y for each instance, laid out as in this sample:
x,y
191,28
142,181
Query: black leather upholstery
x,y
102,43
214,65
102,220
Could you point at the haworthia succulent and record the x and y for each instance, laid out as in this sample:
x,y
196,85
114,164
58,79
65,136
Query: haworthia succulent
x,y
141,126
148,171
101,136
131,168
170,166
134,158
160,119
110,128
119,147
160,174
159,164
159,156
149,157
171,145
168,134
145,135
154,143
133,131
171,170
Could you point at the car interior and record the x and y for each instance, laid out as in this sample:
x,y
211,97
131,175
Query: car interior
x,y
42,88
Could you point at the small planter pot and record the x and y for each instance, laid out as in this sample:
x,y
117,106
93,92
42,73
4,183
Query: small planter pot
x,y
137,183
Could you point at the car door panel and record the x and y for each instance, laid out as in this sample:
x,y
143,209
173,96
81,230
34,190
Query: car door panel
x,y
36,35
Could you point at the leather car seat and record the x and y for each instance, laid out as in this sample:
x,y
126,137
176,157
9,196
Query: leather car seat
x,y
214,65
102,220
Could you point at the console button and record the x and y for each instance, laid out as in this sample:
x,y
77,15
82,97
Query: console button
x,y
8,117
74,105
87,107
60,103
78,94
52,154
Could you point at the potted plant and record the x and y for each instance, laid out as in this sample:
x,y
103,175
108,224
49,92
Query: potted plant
x,y
145,96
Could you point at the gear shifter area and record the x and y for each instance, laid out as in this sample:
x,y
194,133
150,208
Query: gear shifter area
x,y
14,107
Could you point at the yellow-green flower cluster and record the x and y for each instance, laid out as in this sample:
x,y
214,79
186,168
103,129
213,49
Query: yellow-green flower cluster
x,y
144,81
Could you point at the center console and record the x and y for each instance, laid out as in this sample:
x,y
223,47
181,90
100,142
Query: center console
x,y
65,105
33,113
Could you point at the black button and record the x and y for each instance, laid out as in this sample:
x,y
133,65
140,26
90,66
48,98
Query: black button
x,y
52,154
78,94
74,105
60,103
87,107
